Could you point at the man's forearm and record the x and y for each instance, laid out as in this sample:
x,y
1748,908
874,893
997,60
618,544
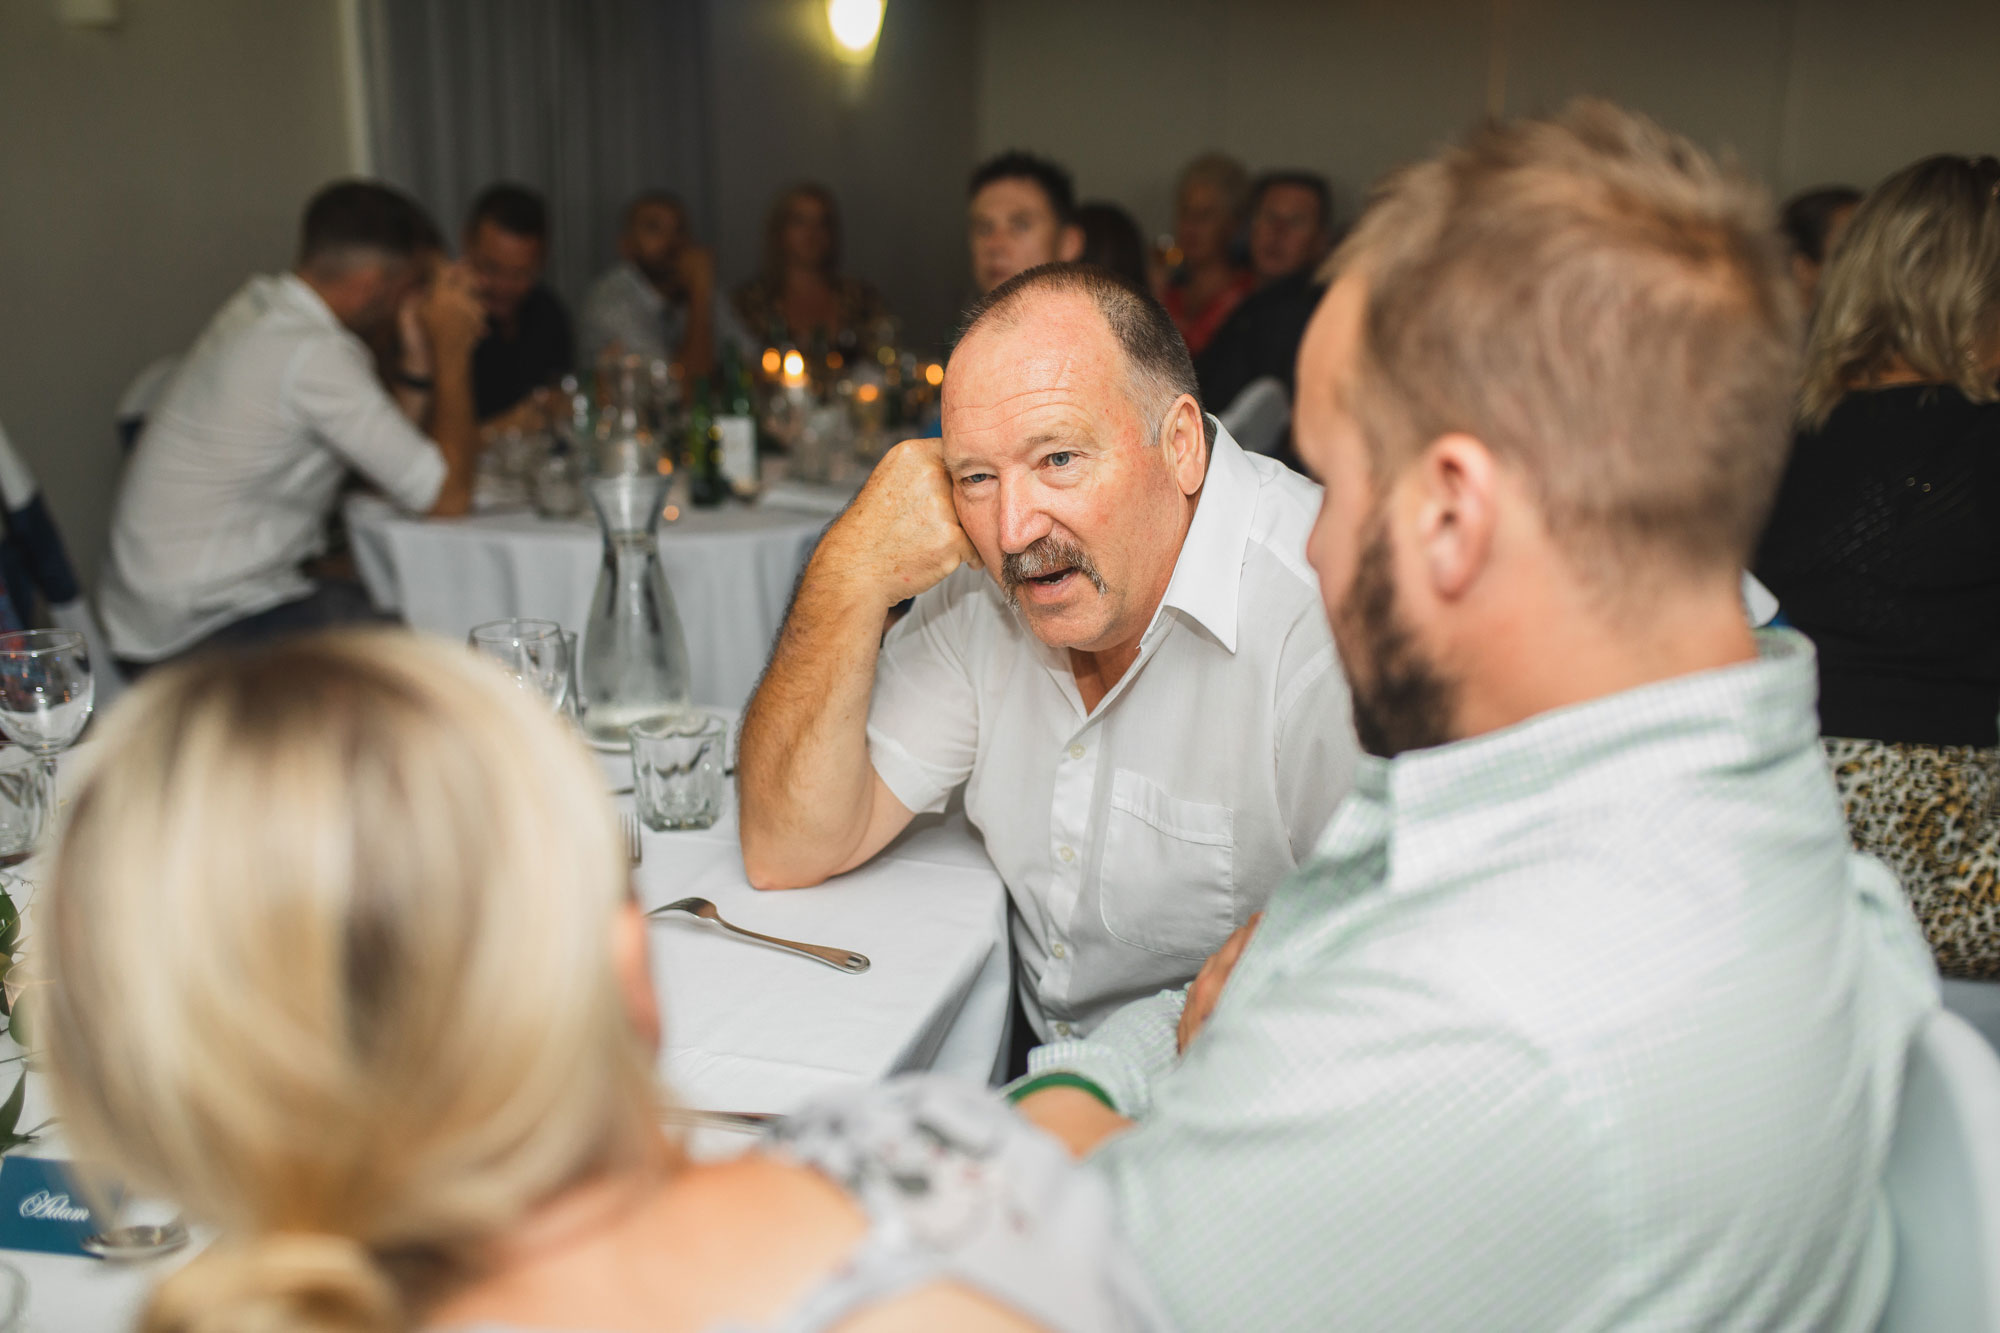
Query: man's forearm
x,y
456,433
803,773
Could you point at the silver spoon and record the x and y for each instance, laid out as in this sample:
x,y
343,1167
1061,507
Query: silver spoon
x,y
844,959
137,1242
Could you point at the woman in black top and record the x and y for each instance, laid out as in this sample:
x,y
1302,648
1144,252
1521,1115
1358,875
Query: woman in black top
x,y
1884,544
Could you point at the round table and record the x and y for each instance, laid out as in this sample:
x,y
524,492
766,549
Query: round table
x,y
731,570
747,1027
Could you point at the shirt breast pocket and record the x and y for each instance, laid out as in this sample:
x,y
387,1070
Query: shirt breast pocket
x,y
1167,880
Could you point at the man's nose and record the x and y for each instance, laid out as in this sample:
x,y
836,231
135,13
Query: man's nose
x,y
1023,521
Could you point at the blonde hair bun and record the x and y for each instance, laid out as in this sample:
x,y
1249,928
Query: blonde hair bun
x,y
287,1283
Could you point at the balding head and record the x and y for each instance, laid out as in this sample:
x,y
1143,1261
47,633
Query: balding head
x,y
1077,448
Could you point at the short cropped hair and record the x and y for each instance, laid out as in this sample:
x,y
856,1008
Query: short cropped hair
x,y
1158,367
512,208
356,220
1013,164
1607,310
654,198
1807,218
1312,181
1917,281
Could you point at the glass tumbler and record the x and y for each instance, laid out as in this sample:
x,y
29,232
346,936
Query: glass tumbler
x,y
24,804
677,770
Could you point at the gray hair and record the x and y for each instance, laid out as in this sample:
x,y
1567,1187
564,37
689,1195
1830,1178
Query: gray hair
x,y
1157,365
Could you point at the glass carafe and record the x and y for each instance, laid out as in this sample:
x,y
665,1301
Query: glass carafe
x,y
634,661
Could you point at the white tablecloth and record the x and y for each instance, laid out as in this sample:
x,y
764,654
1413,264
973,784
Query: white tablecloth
x,y
731,570
748,1027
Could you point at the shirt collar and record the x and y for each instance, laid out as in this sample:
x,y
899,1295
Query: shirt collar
x,y
1208,574
642,286
297,291
1449,799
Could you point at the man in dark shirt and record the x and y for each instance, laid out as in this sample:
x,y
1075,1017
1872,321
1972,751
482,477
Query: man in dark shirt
x,y
527,343
1291,231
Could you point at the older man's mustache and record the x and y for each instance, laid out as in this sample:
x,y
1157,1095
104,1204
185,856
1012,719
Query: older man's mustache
x,y
1050,555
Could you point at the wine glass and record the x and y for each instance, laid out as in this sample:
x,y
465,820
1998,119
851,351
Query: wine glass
x,y
534,652
45,694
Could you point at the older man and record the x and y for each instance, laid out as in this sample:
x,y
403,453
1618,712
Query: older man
x,y
1138,692
1584,1015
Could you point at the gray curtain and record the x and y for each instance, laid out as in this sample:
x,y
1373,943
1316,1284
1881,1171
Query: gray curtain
x,y
588,101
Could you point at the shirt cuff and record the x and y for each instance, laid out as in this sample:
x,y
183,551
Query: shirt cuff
x,y
908,779
1125,1055
417,489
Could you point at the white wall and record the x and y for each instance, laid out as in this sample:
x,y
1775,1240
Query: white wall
x,y
1802,91
144,172
894,142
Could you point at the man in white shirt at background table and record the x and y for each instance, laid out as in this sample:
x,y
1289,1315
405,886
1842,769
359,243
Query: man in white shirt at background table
x,y
240,465
1584,1015
1138,693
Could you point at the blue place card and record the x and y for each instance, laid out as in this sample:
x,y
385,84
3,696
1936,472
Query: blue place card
x,y
41,1209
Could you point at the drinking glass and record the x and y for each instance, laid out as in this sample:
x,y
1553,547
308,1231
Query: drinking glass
x,y
677,764
24,804
534,652
45,695
13,1299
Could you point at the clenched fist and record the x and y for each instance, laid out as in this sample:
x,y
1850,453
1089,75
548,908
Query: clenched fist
x,y
901,535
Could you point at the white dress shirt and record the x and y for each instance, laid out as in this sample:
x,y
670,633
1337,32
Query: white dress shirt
x,y
240,465
1593,1023
1133,837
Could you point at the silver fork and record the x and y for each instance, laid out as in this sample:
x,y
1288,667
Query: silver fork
x,y
634,849
846,960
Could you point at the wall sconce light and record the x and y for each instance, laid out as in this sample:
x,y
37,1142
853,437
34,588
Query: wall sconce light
x,y
856,25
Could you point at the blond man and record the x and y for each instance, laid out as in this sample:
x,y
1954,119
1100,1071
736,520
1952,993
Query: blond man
x,y
1584,1015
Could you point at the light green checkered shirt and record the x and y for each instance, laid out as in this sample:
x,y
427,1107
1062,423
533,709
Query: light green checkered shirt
x,y
1592,1023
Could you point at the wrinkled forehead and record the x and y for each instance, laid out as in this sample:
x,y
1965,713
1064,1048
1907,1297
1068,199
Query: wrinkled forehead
x,y
1046,366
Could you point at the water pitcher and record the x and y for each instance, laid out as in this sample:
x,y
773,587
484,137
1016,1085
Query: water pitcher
x,y
634,661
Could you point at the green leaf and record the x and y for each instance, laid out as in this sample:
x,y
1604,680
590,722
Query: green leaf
x,y
10,1110
10,924
17,1029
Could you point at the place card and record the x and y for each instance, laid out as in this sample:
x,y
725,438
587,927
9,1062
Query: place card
x,y
41,1208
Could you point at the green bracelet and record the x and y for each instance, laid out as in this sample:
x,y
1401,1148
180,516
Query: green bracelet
x,y
1062,1079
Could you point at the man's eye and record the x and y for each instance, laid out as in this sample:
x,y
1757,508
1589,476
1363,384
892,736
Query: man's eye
x,y
1061,458
972,477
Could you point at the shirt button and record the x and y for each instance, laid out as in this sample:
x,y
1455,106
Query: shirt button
x,y
1058,950
1076,751
1066,853
1062,1029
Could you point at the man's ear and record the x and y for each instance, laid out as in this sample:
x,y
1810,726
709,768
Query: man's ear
x,y
1069,245
1186,444
1456,483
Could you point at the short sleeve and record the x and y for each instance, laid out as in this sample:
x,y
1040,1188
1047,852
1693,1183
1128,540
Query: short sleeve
x,y
958,1187
333,388
923,721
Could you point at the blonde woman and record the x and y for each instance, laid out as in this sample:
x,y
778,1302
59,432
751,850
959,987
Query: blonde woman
x,y
1884,544
343,958
799,293
1210,202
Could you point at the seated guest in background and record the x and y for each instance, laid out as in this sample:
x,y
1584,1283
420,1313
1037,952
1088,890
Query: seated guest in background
x,y
1021,212
240,465
1291,229
1813,221
1113,242
378,839
1584,1015
799,294
1138,694
527,343
1884,546
1208,283
658,303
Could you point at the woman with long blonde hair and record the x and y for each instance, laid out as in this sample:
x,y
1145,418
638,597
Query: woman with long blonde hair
x,y
342,956
1884,542
799,293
